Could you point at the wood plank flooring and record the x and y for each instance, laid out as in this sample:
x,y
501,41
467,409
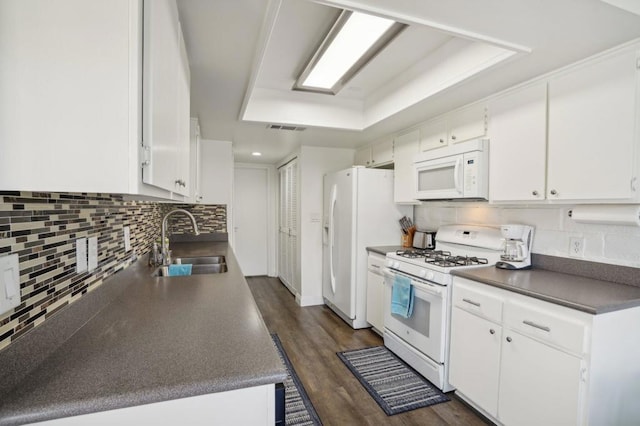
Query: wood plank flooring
x,y
311,336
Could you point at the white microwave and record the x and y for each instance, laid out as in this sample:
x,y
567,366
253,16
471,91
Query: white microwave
x,y
459,171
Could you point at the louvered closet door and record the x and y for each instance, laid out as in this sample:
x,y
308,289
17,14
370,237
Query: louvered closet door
x,y
288,225
293,224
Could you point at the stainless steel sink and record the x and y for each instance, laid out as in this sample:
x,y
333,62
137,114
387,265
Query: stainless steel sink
x,y
196,269
201,260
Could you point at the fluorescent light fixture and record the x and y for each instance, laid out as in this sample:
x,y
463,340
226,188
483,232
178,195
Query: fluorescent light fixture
x,y
256,154
352,42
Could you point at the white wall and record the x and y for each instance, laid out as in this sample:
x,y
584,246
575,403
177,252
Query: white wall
x,y
314,163
614,244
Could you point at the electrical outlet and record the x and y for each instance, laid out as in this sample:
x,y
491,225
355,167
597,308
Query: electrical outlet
x,y
127,239
576,247
81,255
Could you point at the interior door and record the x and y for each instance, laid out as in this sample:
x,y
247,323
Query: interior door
x,y
250,219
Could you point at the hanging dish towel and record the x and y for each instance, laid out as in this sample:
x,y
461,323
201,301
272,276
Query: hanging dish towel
x,y
402,296
177,270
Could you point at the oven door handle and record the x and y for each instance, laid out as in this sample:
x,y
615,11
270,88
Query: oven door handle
x,y
427,288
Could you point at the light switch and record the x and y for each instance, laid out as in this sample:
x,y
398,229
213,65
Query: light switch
x,y
81,255
93,253
127,239
9,283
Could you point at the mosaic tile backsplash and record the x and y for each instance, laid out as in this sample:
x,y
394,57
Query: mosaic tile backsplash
x,y
42,229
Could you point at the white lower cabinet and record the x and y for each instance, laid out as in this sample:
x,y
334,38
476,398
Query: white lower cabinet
x,y
375,291
476,371
539,385
523,361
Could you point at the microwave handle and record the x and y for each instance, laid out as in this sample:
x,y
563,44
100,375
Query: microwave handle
x,y
456,175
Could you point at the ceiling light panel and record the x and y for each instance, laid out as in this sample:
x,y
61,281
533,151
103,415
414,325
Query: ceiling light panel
x,y
352,42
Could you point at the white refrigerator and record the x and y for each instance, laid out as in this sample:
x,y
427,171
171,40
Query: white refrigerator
x,y
358,212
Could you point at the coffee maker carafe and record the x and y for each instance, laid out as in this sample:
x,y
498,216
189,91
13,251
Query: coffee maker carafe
x,y
517,247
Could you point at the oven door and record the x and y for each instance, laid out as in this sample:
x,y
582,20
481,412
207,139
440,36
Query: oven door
x,y
424,329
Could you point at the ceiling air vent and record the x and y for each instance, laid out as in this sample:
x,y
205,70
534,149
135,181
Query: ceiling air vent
x,y
282,127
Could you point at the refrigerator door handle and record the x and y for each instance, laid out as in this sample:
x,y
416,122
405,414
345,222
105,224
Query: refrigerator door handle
x,y
332,275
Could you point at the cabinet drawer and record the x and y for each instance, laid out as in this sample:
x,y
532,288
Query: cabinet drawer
x,y
375,263
477,301
552,327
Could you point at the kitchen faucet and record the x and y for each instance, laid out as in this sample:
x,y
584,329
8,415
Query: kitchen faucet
x,y
166,257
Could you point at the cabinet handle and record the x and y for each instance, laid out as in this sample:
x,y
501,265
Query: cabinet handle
x,y
554,192
453,137
535,193
441,140
492,331
534,325
375,266
471,302
509,339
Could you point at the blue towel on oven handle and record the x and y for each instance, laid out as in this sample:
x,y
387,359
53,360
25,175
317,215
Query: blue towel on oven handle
x,y
402,296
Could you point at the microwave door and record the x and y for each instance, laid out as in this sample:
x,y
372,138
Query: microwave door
x,y
440,178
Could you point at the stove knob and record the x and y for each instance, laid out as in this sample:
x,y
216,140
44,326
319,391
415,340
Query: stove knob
x,y
389,263
422,273
430,275
396,264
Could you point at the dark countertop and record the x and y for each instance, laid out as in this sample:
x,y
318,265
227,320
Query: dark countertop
x,y
383,250
161,339
584,294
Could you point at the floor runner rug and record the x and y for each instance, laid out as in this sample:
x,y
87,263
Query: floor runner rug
x,y
394,385
298,408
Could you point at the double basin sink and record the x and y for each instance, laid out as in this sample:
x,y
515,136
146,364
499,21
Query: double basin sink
x,y
199,265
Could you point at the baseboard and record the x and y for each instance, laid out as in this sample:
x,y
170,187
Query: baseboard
x,y
309,300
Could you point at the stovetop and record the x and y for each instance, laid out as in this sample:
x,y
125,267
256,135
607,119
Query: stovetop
x,y
457,247
440,258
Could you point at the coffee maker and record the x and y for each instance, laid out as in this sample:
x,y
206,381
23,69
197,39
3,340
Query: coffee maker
x,y
517,247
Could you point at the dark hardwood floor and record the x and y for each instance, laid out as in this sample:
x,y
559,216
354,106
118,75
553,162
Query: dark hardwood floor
x,y
311,336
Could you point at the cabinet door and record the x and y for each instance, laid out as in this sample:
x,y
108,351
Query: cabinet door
x,y
592,116
518,135
363,157
404,185
539,385
68,95
160,93
183,184
195,171
433,134
468,123
474,360
375,300
382,153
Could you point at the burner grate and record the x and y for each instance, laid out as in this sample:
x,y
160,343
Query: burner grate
x,y
449,261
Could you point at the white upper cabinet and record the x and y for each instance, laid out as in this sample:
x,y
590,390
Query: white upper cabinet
x,y
406,146
468,123
434,134
71,97
68,95
165,98
593,133
382,152
458,126
362,156
518,139
375,154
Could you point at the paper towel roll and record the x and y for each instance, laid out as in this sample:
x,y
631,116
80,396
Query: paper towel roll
x,y
607,214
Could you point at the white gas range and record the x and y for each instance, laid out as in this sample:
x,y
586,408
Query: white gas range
x,y
422,340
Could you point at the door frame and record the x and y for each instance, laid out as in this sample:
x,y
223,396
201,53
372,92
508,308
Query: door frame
x,y
272,192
